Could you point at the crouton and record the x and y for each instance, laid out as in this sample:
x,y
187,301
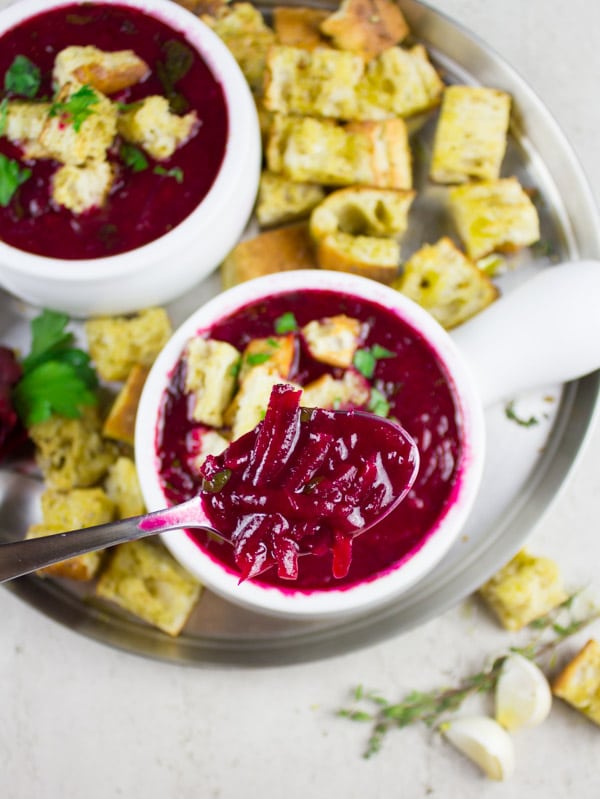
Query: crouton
x,y
211,373
441,279
282,201
83,187
333,340
523,590
494,216
151,124
366,26
123,488
360,210
143,579
24,123
200,443
352,391
376,258
107,72
71,453
579,682
390,157
399,82
250,402
278,250
120,422
72,139
299,27
471,135
81,568
276,353
118,343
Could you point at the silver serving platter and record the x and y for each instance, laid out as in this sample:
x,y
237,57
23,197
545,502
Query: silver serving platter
x,y
511,501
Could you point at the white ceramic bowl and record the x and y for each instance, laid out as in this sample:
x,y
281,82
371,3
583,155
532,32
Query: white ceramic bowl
x,y
167,267
399,577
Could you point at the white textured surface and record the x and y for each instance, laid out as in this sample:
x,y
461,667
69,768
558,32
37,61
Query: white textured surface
x,y
78,719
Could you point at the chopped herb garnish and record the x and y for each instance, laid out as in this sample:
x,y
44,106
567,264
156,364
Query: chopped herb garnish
x,y
175,172
77,108
378,403
256,358
3,115
22,77
234,369
11,177
365,360
272,342
177,63
286,323
133,157
511,414
380,352
129,106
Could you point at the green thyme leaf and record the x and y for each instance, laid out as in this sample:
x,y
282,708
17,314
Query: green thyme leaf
x,y
133,157
77,108
175,172
22,77
11,177
286,323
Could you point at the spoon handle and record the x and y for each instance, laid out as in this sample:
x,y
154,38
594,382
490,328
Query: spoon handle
x,y
22,557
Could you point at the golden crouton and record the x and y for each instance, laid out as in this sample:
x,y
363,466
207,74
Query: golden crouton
x,y
120,422
152,125
299,27
525,589
494,216
399,82
390,157
116,344
579,682
82,187
278,250
366,26
202,442
108,72
281,200
276,353
250,402
376,258
24,123
72,453
320,83
333,340
211,373
362,211
352,391
71,140
471,134
446,283
81,568
143,579
123,488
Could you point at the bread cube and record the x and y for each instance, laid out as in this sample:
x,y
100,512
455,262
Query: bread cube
x,y
250,403
72,453
81,188
333,340
118,343
123,488
441,279
281,200
367,27
390,157
351,391
153,126
81,568
275,251
471,135
143,579
120,422
202,442
276,353
25,121
211,375
494,216
108,72
299,27
523,590
579,682
362,211
375,258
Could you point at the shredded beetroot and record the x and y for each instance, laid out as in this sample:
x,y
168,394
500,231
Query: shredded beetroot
x,y
12,434
305,480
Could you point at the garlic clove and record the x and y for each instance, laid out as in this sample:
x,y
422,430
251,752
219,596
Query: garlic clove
x,y
523,695
485,742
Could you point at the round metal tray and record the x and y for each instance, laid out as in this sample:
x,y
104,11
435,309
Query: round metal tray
x,y
510,502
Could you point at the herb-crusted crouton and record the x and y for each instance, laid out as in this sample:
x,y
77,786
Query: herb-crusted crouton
x,y
152,125
494,216
351,391
441,279
366,26
81,568
211,373
471,134
120,422
81,188
376,258
333,340
299,27
525,589
282,201
362,211
390,157
276,353
116,344
579,682
123,488
108,72
144,579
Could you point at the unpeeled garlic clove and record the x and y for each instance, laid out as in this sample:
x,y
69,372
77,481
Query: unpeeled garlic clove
x,y
485,742
523,695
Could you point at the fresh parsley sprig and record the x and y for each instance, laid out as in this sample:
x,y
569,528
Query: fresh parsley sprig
x,y
365,359
22,77
12,175
77,108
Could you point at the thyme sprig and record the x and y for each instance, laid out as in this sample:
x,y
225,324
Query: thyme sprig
x,y
429,707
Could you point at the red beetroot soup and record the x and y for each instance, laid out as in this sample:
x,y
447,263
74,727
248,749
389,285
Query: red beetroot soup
x,y
408,378
142,205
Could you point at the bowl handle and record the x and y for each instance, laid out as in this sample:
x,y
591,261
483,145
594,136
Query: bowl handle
x,y
544,332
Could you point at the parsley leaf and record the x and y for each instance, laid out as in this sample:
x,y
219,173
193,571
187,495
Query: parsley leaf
x,y
11,177
511,414
365,360
133,157
286,323
77,108
378,403
256,358
22,77
175,172
3,115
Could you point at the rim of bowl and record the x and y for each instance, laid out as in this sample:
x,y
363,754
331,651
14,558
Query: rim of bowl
x,y
242,130
385,586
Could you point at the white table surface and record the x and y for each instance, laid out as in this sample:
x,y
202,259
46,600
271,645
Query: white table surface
x,y
78,719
